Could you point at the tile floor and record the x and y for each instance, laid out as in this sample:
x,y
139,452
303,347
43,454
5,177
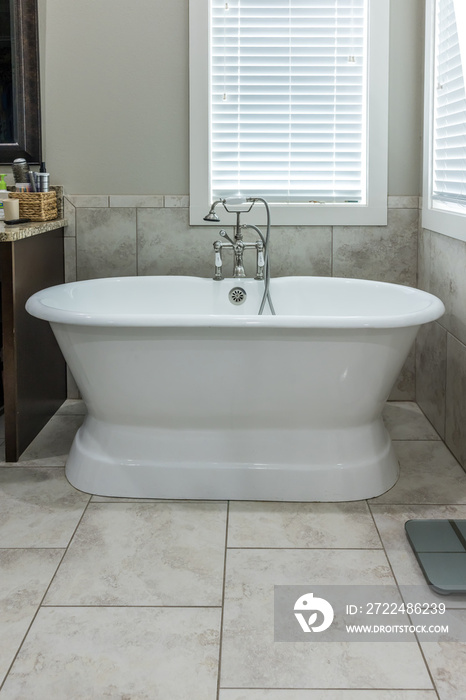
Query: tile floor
x,y
173,600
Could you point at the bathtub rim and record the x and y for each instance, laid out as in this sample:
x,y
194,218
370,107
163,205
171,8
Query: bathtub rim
x,y
432,310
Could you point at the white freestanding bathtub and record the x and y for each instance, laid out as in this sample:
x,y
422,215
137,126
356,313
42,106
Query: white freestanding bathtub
x,y
190,395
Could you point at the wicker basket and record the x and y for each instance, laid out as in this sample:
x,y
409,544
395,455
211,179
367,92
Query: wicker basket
x,y
37,206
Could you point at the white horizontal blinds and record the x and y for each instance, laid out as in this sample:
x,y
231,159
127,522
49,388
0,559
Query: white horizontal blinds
x,y
449,167
288,110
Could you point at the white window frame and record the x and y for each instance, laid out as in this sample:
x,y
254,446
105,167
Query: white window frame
x,y
374,212
451,224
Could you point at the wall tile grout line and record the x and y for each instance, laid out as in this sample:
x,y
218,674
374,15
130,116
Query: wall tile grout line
x,y
137,241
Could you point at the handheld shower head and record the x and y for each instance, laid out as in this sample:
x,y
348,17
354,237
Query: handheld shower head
x,y
238,205
233,205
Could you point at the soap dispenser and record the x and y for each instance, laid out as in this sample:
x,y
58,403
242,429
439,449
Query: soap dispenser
x,y
3,194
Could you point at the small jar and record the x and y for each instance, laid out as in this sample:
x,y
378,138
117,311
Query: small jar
x,y
42,180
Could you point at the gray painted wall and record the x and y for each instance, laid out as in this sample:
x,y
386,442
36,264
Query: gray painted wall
x,y
115,95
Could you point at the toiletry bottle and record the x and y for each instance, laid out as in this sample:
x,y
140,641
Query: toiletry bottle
x,y
20,169
3,195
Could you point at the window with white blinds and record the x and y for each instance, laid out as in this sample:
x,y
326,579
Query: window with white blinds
x,y
449,133
289,101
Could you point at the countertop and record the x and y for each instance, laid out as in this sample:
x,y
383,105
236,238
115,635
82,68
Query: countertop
x,y
9,234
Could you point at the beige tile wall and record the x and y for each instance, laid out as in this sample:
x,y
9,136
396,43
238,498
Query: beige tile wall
x,y
441,347
109,236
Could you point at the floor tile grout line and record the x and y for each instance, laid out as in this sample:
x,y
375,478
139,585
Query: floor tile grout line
x,y
338,688
312,549
410,439
220,644
152,501
421,651
365,690
373,501
423,439
31,549
43,597
121,605
22,465
142,501
412,504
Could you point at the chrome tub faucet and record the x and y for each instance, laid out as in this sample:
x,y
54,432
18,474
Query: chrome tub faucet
x,y
237,206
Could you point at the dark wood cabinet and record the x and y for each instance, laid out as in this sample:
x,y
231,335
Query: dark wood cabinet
x,y
34,371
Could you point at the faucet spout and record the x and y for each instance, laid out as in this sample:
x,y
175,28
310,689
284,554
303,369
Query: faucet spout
x,y
238,270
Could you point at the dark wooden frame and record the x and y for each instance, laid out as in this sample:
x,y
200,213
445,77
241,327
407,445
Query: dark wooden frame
x,y
25,46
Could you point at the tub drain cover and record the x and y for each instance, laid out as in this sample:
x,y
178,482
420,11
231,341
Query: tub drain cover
x,y
237,296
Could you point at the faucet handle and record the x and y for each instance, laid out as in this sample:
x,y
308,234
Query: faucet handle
x,y
224,234
218,261
260,261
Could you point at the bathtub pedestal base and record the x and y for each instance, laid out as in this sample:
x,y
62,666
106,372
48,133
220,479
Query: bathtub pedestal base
x,y
269,465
